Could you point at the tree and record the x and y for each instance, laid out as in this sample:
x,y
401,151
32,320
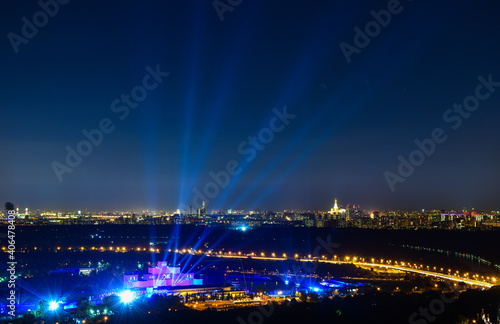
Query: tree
x,y
463,320
84,305
43,307
29,317
111,301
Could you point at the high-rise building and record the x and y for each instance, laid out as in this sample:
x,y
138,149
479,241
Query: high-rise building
x,y
160,276
203,210
335,209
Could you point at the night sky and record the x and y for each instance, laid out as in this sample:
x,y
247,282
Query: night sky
x,y
348,121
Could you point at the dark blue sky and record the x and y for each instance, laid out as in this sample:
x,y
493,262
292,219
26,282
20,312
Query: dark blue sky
x,y
352,120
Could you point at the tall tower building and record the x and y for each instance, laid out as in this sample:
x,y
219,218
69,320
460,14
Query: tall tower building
x,y
203,209
335,209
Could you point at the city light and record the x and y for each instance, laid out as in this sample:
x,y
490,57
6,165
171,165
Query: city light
x,y
127,296
53,305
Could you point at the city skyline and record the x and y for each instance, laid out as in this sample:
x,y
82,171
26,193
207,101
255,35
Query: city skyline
x,y
22,209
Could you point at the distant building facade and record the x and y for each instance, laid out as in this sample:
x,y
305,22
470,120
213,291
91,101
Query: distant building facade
x,y
160,276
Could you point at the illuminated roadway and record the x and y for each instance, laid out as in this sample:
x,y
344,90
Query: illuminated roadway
x,y
263,257
363,264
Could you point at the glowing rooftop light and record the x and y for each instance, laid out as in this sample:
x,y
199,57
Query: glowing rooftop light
x,y
53,305
127,296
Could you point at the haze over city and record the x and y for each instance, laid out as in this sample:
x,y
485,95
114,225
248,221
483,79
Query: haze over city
x,y
353,120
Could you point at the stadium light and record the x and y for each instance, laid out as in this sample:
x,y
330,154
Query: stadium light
x,y
53,305
127,296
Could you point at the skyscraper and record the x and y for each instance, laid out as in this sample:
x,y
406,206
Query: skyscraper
x,y
335,209
202,211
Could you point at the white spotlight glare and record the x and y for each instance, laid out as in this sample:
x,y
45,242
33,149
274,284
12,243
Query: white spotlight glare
x,y
127,296
53,305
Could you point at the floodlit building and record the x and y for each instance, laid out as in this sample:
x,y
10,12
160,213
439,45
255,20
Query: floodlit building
x,y
160,276
335,210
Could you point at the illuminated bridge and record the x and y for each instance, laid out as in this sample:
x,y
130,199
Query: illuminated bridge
x,y
479,281
401,267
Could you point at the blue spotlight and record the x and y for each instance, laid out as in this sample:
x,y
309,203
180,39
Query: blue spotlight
x,y
127,296
243,228
286,282
53,305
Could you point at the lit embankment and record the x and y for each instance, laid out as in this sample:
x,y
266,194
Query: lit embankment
x,y
406,267
475,280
